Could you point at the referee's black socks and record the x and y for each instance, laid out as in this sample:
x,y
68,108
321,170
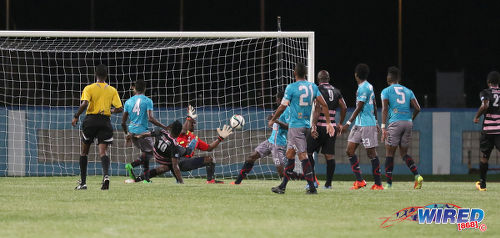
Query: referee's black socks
x,y
105,165
330,170
83,169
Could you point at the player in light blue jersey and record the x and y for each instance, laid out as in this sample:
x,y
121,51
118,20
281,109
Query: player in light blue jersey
x,y
396,102
274,145
299,98
139,110
365,129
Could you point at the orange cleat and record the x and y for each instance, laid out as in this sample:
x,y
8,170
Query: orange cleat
x,y
234,183
214,181
358,184
377,187
317,182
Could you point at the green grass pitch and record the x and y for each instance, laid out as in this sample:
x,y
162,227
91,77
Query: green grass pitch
x,y
49,207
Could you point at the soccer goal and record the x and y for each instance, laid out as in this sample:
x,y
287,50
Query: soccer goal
x,y
219,73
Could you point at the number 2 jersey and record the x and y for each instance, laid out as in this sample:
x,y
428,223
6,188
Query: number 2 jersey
x,y
137,108
366,116
399,98
165,147
299,96
332,97
491,123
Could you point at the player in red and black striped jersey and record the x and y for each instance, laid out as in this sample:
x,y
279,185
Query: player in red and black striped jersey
x,y
490,134
319,138
167,152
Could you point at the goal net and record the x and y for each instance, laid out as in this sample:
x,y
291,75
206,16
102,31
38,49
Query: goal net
x,y
220,74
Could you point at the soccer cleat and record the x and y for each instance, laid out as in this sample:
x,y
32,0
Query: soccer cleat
x,y
327,187
81,186
418,182
315,185
358,184
316,182
388,186
213,181
105,183
311,191
278,190
377,187
478,187
130,170
234,183
147,181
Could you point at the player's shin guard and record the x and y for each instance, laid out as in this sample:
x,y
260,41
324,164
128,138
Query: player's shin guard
x,y
483,169
376,170
330,170
83,169
290,165
308,173
247,167
389,166
355,167
210,171
411,164
105,161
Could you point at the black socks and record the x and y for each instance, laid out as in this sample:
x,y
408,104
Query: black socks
x,y
83,169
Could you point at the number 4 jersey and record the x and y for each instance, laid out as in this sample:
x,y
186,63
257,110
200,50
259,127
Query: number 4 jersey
x,y
399,98
491,123
137,108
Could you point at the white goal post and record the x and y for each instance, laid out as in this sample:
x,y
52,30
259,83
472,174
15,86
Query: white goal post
x,y
221,73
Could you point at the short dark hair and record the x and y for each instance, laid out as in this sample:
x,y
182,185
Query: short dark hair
x,y
394,72
493,78
323,76
175,128
101,71
280,94
140,86
362,70
300,70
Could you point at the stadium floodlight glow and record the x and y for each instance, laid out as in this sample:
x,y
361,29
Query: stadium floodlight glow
x,y
220,73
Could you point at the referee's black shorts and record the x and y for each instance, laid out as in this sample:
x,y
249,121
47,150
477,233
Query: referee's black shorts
x,y
325,142
97,126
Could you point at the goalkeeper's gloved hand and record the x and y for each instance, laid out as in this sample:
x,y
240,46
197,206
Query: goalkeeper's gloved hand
x,y
225,132
192,112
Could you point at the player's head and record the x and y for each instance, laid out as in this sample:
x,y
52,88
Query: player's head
x,y
393,75
140,86
361,72
101,72
323,76
300,71
279,97
175,129
493,78
189,124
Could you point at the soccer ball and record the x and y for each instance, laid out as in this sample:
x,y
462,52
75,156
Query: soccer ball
x,y
237,121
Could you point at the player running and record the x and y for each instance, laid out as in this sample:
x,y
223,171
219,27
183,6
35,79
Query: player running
x,y
396,102
365,129
274,145
319,138
490,134
139,110
97,98
166,151
187,162
299,96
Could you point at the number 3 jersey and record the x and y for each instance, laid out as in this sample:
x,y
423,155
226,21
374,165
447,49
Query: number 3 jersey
x,y
137,108
399,98
299,96
491,123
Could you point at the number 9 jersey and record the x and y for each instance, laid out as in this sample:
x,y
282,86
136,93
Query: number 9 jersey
x,y
299,96
399,98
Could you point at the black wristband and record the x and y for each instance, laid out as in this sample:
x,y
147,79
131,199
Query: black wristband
x,y
220,138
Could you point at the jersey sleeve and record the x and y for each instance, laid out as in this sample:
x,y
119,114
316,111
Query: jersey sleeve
x,y
484,95
316,91
363,95
86,94
181,151
383,95
149,106
117,103
202,145
288,96
126,107
412,96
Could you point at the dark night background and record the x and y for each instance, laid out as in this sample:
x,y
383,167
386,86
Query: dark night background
x,y
445,35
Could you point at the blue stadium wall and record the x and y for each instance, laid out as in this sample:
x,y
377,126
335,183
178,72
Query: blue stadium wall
x,y
440,145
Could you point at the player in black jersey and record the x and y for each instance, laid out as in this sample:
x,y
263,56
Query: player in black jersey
x,y
490,134
318,137
167,152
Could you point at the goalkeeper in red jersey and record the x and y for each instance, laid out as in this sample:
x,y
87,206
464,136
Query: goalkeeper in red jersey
x,y
188,163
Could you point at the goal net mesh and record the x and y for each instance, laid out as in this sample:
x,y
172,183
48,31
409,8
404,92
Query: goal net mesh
x,y
43,77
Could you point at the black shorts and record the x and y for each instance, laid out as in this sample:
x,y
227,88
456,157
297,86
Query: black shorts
x,y
487,142
97,126
188,164
324,141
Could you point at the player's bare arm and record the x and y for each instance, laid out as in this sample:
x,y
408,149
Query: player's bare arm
x,y
277,114
155,122
324,109
177,170
359,107
482,109
83,105
315,116
282,124
385,112
343,112
116,110
416,108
